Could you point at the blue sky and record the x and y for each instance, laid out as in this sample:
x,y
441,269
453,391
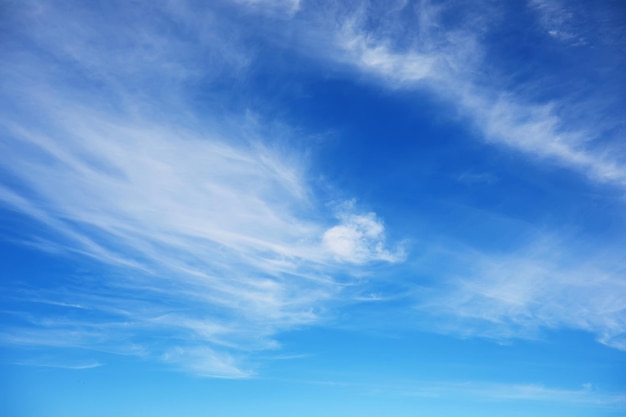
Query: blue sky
x,y
293,207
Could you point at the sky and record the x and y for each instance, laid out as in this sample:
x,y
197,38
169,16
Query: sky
x,y
313,207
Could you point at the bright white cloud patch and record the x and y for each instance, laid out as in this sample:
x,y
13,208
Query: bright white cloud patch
x,y
359,238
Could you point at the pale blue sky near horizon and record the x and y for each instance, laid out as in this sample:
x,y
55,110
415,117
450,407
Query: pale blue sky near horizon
x,y
313,207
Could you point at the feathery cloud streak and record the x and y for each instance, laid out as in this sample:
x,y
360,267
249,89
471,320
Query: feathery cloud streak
x,y
415,46
207,212
443,48
544,286
212,231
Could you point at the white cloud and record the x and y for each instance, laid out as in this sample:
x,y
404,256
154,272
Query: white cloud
x,y
206,362
359,238
539,131
544,286
374,56
214,237
193,221
217,239
452,63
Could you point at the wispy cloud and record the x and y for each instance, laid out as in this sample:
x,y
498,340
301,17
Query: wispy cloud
x,y
204,361
519,392
205,219
557,20
542,286
584,396
215,238
440,390
416,47
442,49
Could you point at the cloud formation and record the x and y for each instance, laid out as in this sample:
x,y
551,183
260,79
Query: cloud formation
x,y
541,286
359,238
211,230
445,50
417,46
205,218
